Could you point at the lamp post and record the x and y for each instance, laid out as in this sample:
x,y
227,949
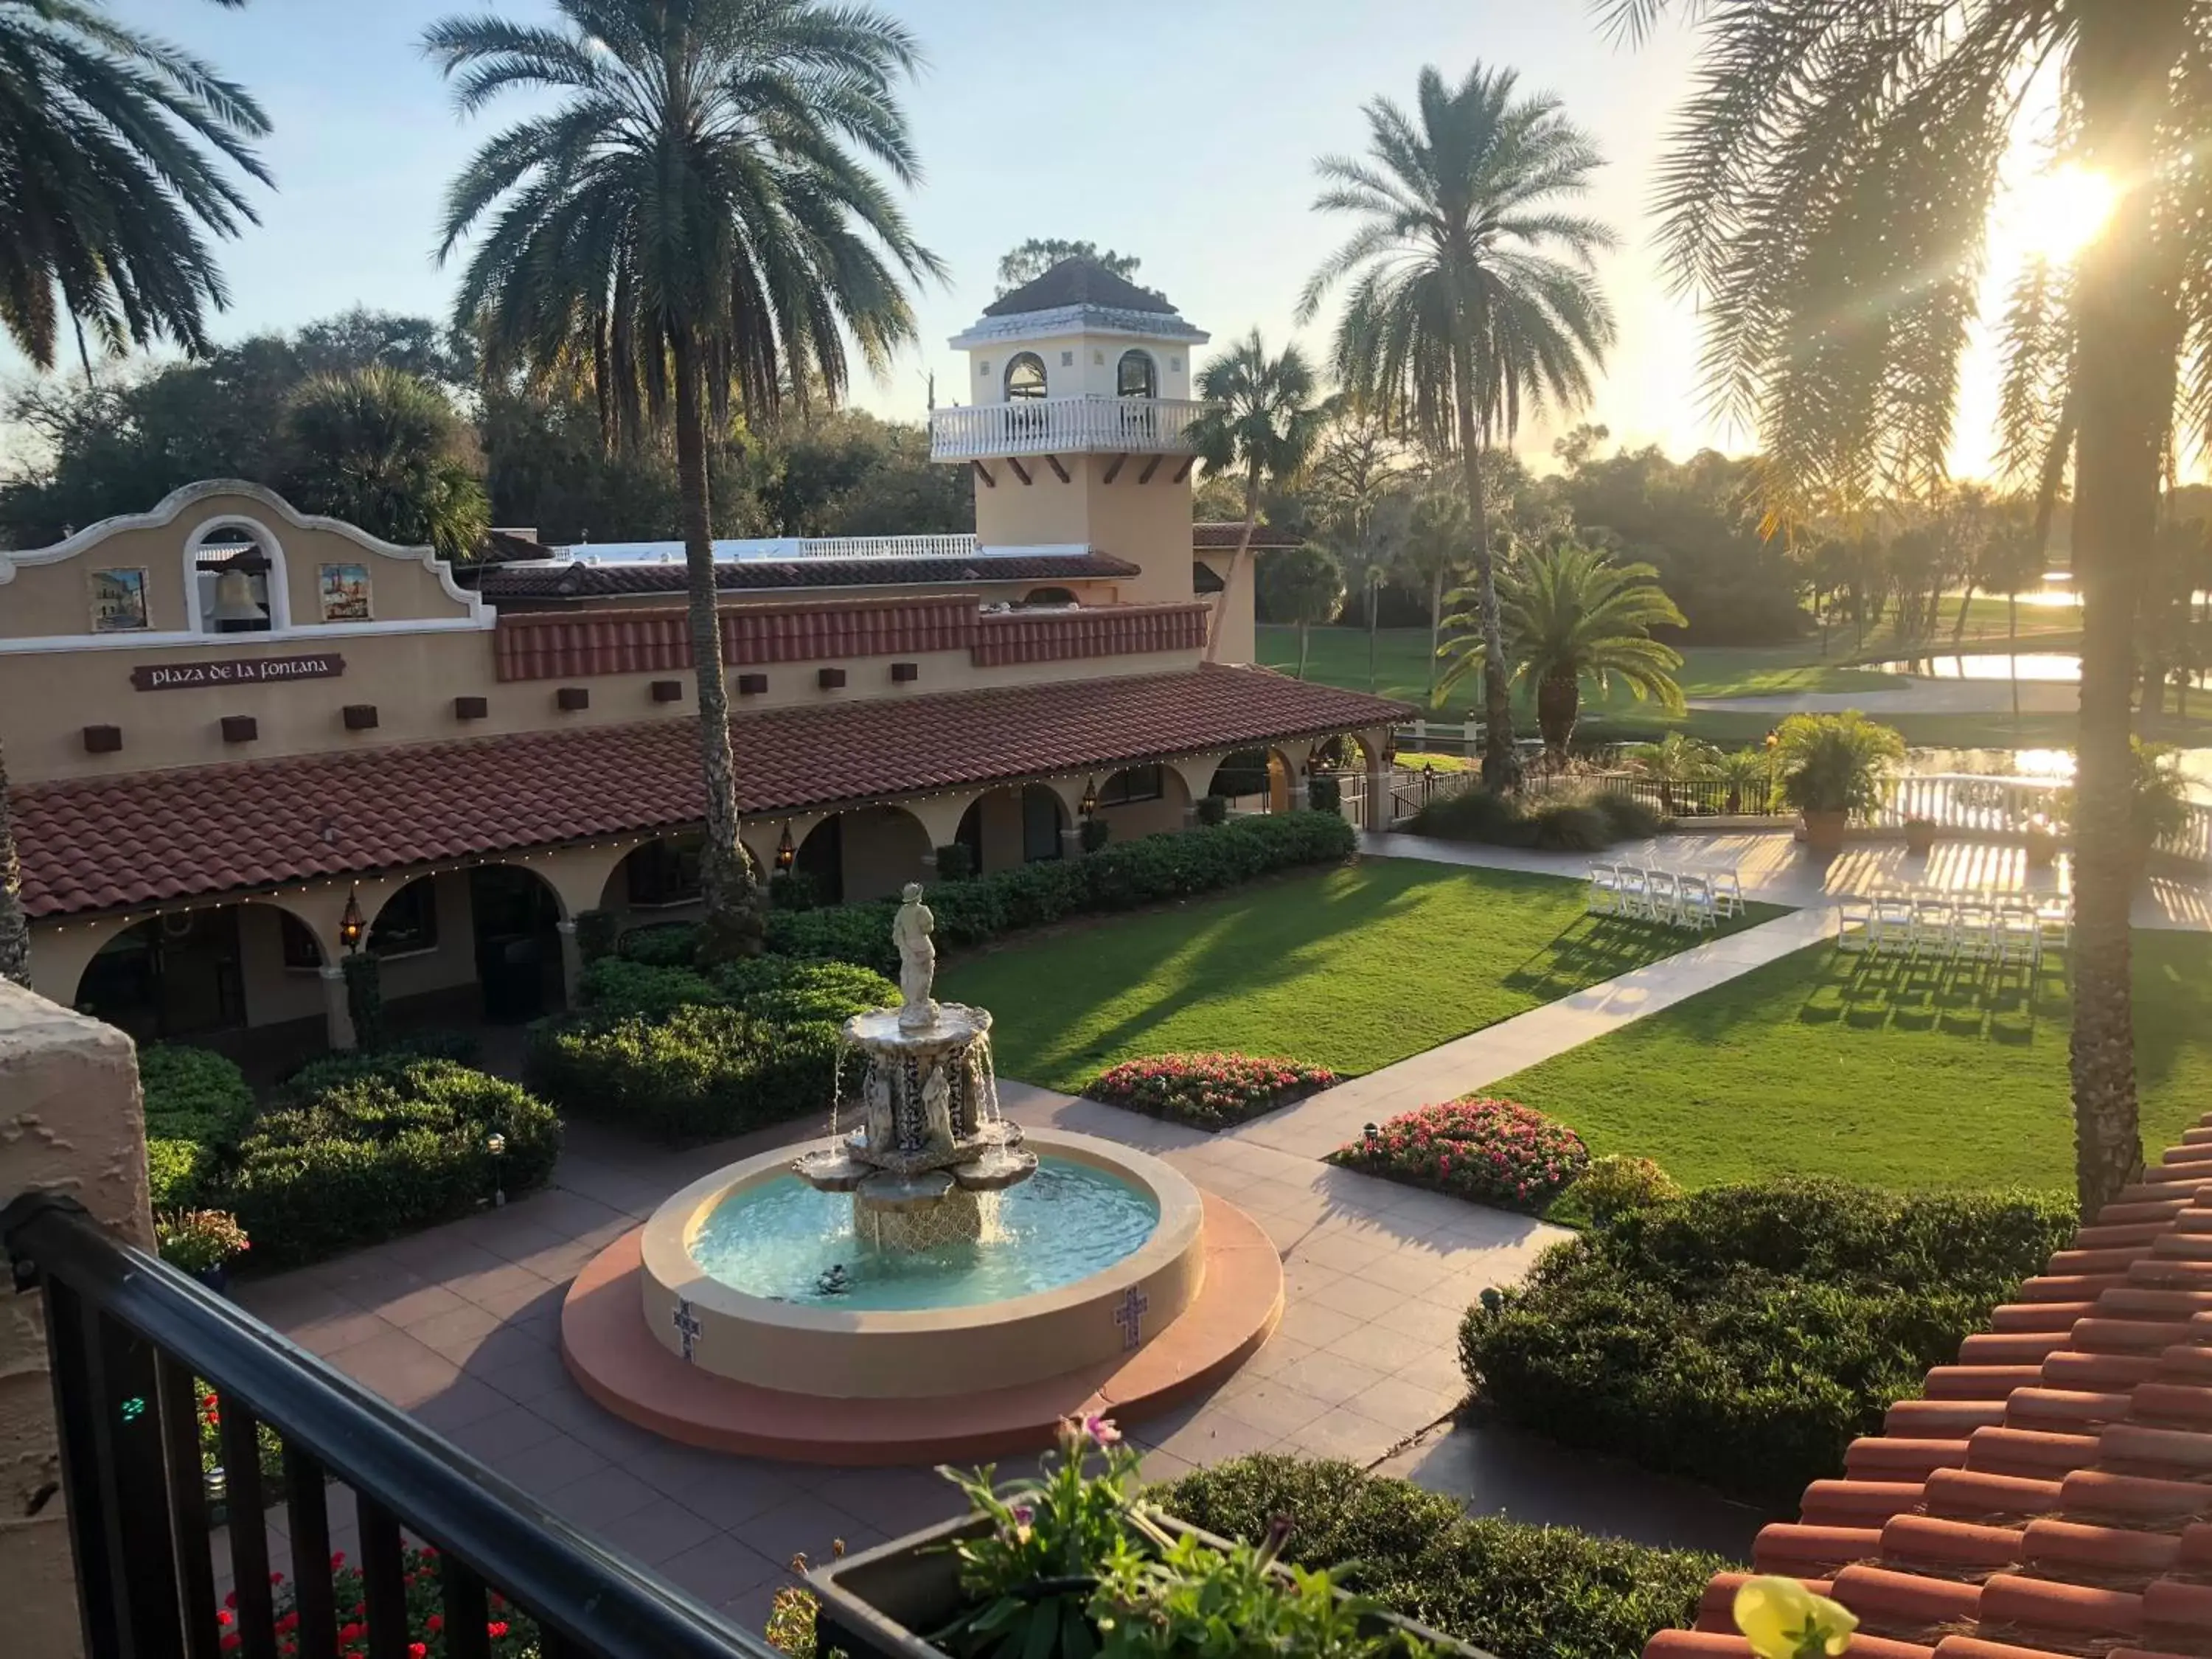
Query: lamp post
x,y
496,1144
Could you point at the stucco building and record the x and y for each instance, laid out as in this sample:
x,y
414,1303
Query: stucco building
x,y
224,719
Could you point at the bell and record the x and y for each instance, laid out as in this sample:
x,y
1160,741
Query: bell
x,y
234,606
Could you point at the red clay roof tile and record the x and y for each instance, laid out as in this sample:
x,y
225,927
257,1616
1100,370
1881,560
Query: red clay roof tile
x,y
113,843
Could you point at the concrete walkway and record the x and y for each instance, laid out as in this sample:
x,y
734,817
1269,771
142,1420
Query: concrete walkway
x,y
1319,1125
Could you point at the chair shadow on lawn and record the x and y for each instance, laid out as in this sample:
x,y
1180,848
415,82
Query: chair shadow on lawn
x,y
1591,950
1993,1002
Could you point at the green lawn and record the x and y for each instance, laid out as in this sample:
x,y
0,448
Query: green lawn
x,y
1877,1072
1353,970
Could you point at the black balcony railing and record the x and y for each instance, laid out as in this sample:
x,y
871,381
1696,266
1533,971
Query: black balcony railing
x,y
132,1343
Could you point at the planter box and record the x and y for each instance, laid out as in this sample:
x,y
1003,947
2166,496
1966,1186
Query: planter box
x,y
874,1604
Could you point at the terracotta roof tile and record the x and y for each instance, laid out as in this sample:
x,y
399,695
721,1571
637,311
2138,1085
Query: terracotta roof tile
x,y
577,580
2051,1494
112,844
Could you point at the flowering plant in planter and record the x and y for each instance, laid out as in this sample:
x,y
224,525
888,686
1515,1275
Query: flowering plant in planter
x,y
1492,1152
509,1633
198,1241
1207,1090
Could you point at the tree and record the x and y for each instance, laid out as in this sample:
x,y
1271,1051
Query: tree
x,y
1303,584
1437,545
1473,299
1570,614
1827,201
15,927
384,451
692,210
113,147
1032,259
1262,421
1676,759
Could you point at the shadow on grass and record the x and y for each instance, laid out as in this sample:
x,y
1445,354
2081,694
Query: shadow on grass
x,y
1984,1001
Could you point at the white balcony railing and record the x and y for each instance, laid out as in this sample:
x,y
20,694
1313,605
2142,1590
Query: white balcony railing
x,y
1064,426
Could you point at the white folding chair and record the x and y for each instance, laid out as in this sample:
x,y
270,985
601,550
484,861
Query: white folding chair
x,y
1855,926
1604,898
1890,933
1631,893
2054,924
1974,930
1662,894
2019,933
1694,903
1727,893
1931,927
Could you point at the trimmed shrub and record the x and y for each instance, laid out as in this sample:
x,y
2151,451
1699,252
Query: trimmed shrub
x,y
1213,809
177,1171
1324,794
1491,1151
1632,819
1578,820
597,931
793,889
1118,877
366,1149
1095,833
1747,1334
663,945
1615,1183
193,1094
364,983
955,862
1207,1092
616,987
687,1058
1519,1591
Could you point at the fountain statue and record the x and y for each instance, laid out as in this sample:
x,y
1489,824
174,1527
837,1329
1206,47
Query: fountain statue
x,y
931,1143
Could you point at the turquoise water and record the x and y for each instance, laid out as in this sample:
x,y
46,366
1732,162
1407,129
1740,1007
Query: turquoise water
x,y
782,1239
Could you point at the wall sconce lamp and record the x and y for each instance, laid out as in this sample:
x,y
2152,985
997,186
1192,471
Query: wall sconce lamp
x,y
1089,802
351,925
786,853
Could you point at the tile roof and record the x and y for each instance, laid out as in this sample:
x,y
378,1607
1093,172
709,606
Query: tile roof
x,y
1219,536
110,843
591,582
2051,1492
1078,282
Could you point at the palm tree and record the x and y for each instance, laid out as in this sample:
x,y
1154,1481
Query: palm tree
x,y
1306,584
113,147
690,209
1473,299
1262,420
1747,773
1570,613
15,927
384,450
1676,758
1827,201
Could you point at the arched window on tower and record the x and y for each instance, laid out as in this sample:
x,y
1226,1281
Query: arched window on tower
x,y
1025,377
1137,375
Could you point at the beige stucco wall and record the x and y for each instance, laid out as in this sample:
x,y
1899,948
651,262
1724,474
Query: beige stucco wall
x,y
72,1121
1235,604
1079,365
1147,524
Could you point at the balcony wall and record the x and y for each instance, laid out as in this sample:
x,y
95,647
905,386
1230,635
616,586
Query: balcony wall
x,y
1061,636
1064,426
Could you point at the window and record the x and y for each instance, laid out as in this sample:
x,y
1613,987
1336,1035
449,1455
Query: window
x,y
1039,598
664,873
302,953
1133,783
1136,376
1025,377
408,923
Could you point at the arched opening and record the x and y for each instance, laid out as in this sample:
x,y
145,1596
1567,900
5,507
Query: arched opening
x,y
1143,800
660,875
1136,375
1024,378
1049,599
205,971
514,932
234,579
869,852
1241,780
1005,827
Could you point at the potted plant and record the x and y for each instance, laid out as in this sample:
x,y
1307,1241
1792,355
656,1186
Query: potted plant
x,y
1920,836
2158,803
1075,1561
2042,843
202,1242
1831,766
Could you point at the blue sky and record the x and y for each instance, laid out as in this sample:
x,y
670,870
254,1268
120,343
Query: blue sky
x,y
1184,133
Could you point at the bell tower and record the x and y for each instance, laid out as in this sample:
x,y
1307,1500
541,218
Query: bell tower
x,y
1077,427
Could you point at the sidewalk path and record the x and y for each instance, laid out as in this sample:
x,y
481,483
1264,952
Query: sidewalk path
x,y
1323,1122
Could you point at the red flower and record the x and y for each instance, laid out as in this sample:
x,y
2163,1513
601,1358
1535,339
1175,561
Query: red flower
x,y
435,1623
231,1641
418,1650
495,1628
352,1633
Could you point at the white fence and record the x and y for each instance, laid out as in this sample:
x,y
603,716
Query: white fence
x,y
1063,426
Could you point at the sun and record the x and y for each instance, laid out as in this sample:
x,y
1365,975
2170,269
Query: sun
x,y
2054,214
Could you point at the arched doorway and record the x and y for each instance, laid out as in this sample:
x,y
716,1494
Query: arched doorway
x,y
659,875
1007,827
1143,800
820,861
867,852
515,928
197,972
1242,779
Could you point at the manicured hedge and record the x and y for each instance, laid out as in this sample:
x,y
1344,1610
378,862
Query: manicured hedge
x,y
1118,877
1577,822
362,1150
198,1106
1521,1592
689,1056
1745,1335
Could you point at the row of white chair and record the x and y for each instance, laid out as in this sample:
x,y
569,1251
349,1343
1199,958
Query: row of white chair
x,y
2003,928
1674,898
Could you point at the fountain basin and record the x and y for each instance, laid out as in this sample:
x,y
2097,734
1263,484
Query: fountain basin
x,y
831,1352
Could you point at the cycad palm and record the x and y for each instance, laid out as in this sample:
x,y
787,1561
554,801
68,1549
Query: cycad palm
x,y
1262,421
696,207
112,153
1569,614
1827,201
1472,300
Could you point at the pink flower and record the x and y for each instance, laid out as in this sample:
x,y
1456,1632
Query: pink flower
x,y
1101,1430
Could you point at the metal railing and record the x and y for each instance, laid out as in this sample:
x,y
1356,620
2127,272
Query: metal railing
x,y
1063,426
137,1348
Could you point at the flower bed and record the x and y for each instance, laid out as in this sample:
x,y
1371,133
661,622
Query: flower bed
x,y
509,1633
1491,1152
1210,1091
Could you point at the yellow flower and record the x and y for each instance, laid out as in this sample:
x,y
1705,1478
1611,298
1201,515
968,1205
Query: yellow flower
x,y
1783,1620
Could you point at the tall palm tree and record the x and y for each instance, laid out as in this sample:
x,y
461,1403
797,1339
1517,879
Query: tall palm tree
x,y
1473,299
1827,199
383,450
112,154
15,927
695,207
1263,421
1571,614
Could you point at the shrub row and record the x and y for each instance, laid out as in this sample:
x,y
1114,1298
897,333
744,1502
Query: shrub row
x,y
1119,877
1581,821
356,1148
1520,1591
687,1055
1745,1335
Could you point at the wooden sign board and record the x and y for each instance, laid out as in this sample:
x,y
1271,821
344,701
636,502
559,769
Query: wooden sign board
x,y
244,671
